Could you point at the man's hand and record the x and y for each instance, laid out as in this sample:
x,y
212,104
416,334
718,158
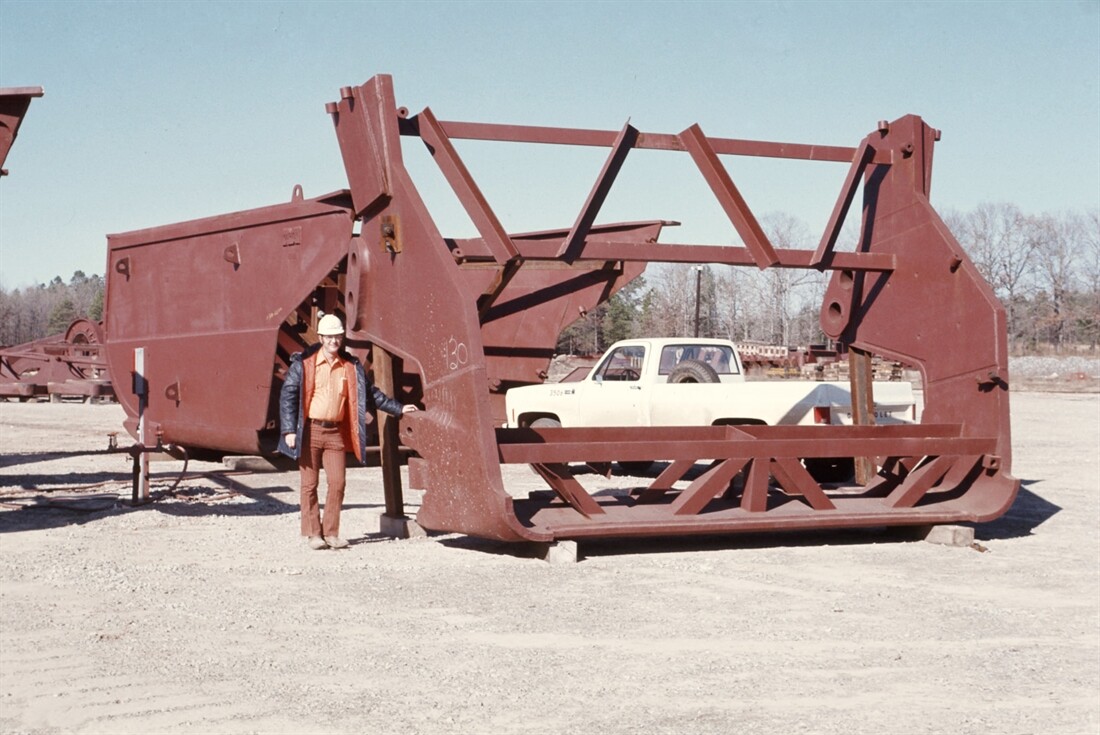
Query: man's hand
x,y
291,440
408,408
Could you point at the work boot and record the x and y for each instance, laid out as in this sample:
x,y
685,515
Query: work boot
x,y
335,542
317,543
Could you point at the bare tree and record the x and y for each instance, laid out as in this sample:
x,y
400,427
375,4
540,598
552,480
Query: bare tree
x,y
1090,277
670,304
731,292
785,292
1045,269
1058,244
1002,242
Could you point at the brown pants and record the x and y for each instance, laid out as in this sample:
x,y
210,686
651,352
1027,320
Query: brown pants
x,y
322,448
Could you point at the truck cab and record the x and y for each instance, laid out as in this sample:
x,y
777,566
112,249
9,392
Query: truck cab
x,y
689,381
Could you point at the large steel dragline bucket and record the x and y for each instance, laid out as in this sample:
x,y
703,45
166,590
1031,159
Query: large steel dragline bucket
x,y
217,304
213,304
908,292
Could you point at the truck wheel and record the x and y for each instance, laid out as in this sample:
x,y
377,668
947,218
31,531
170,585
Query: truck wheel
x,y
636,468
830,469
545,423
693,371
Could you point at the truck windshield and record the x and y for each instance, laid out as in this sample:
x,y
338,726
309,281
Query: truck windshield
x,y
719,357
625,363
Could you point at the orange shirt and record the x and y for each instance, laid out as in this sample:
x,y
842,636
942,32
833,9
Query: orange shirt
x,y
330,390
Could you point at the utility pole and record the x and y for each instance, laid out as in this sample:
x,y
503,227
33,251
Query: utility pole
x,y
698,288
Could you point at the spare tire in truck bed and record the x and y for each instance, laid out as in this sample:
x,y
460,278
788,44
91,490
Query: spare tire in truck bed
x,y
693,371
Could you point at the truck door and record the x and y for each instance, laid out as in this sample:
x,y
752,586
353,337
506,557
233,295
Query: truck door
x,y
614,392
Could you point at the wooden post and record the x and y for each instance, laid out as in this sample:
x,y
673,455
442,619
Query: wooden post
x,y
389,441
141,459
860,377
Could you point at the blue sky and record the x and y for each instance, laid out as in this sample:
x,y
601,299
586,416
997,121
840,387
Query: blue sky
x,y
162,112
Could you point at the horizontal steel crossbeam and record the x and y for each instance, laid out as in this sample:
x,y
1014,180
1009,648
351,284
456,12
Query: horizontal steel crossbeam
x,y
530,446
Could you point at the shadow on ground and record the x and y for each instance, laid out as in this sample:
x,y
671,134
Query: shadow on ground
x,y
1027,513
18,458
107,494
588,548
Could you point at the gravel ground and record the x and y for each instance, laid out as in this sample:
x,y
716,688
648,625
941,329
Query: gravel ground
x,y
1071,374
1034,366
204,613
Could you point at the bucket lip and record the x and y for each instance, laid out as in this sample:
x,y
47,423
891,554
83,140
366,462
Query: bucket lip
x,y
333,203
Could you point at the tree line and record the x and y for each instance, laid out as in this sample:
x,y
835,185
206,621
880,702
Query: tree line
x,y
1044,268
27,314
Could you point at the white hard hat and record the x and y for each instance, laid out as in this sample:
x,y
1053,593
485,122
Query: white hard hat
x,y
330,324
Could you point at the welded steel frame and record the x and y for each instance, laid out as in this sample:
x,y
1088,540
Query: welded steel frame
x,y
68,364
908,292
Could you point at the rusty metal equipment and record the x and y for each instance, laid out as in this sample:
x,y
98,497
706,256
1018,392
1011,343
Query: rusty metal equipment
x,y
217,306
59,366
68,364
14,102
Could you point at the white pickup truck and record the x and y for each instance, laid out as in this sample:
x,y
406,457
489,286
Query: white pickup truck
x,y
692,382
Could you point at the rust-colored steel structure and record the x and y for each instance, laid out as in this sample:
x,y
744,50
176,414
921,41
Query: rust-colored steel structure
x,y
218,305
68,364
62,365
14,102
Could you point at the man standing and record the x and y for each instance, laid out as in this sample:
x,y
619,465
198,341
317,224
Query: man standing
x,y
323,411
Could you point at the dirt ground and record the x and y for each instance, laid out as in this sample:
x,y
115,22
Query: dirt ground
x,y
204,613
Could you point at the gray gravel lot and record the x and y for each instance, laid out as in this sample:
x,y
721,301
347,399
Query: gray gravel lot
x,y
204,613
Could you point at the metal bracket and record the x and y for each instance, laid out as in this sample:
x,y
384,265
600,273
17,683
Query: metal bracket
x,y
391,234
232,254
